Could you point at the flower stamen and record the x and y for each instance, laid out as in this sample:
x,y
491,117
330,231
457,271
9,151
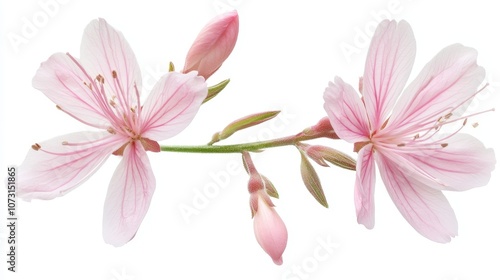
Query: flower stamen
x,y
100,79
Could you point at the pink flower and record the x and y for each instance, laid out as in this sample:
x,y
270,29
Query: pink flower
x,y
399,130
102,90
270,230
213,45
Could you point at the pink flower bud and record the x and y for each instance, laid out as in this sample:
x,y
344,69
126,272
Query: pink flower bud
x,y
255,183
246,122
270,231
322,127
213,45
242,123
311,180
320,154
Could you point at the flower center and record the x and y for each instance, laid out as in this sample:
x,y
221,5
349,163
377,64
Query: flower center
x,y
120,107
425,134
118,103
148,144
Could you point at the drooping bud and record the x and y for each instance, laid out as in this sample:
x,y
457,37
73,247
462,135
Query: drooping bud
x,y
311,180
255,183
213,45
270,230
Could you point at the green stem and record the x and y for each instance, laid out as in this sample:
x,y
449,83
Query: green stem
x,y
252,146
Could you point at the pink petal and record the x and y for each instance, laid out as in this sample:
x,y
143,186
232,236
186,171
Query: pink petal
x,y
365,187
388,65
447,81
104,50
346,112
270,231
62,81
426,209
129,196
213,45
172,105
463,164
55,169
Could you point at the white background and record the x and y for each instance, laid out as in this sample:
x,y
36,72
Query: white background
x,y
286,53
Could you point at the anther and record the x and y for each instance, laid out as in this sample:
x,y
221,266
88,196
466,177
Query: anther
x,y
447,116
87,85
114,74
401,145
111,130
465,122
58,107
36,146
100,79
474,125
416,136
64,142
444,145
